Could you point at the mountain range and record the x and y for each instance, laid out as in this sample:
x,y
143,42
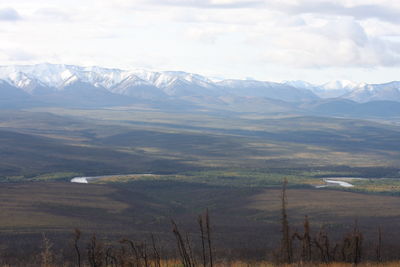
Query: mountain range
x,y
69,85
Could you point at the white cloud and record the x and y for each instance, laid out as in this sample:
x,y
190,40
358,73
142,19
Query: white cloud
x,y
9,14
54,14
250,38
360,10
224,4
338,43
18,55
204,35
344,29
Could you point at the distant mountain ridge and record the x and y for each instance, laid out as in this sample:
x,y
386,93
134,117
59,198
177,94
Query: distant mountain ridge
x,y
56,84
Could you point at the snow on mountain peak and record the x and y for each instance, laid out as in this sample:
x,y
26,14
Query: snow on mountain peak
x,y
300,84
179,83
342,84
66,74
23,81
58,76
70,80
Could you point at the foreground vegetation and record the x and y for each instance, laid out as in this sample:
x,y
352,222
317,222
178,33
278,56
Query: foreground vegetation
x,y
303,247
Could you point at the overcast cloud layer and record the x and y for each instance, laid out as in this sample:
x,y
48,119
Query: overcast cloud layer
x,y
313,40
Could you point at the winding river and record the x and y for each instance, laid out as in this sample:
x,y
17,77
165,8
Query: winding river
x,y
339,181
86,180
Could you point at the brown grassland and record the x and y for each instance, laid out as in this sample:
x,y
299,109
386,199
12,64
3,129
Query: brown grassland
x,y
246,229
230,164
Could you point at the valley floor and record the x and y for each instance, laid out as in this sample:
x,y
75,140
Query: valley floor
x,y
232,164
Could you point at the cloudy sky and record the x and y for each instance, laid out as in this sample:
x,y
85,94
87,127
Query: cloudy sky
x,y
276,40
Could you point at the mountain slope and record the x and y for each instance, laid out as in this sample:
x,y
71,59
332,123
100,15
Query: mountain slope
x,y
375,92
345,107
251,88
47,81
88,87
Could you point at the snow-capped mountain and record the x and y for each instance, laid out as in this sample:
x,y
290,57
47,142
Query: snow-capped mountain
x,y
358,92
300,84
341,85
143,84
375,92
331,89
336,88
117,81
58,76
134,86
51,83
252,88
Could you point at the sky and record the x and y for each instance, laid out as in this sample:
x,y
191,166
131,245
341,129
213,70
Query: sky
x,y
274,40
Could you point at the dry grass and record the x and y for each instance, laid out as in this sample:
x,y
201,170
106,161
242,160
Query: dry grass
x,y
48,205
324,202
269,264
175,263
